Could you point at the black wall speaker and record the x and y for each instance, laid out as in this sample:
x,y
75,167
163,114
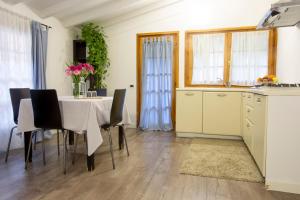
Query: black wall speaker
x,y
79,51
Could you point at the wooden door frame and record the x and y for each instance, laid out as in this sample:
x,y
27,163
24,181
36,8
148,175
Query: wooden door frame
x,y
139,64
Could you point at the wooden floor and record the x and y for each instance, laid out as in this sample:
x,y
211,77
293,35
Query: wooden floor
x,y
150,172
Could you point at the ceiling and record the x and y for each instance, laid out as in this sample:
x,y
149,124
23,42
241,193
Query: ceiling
x,y
75,12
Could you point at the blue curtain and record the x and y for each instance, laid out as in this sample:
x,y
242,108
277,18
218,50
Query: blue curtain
x,y
39,54
157,86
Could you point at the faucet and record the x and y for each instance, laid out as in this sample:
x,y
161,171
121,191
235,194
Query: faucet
x,y
227,83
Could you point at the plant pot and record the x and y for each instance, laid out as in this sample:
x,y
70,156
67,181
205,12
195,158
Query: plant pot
x,y
101,92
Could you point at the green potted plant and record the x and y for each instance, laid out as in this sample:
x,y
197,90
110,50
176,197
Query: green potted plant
x,y
94,37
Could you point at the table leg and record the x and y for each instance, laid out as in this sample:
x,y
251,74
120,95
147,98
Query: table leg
x,y
26,146
71,138
121,139
90,160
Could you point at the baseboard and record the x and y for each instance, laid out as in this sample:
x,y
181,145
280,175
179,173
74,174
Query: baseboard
x,y
203,135
131,126
283,187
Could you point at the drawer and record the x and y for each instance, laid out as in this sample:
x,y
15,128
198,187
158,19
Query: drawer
x,y
244,95
259,100
250,99
250,113
248,134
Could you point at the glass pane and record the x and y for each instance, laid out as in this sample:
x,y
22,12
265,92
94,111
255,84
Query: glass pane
x,y
249,57
208,58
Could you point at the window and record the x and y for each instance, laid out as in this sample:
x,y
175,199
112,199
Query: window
x,y
15,65
236,55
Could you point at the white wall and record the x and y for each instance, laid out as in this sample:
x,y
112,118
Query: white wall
x,y
187,15
59,49
288,54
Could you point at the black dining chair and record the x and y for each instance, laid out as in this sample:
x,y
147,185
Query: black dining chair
x,y
47,116
116,117
16,95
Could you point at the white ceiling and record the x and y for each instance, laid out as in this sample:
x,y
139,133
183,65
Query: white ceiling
x,y
74,12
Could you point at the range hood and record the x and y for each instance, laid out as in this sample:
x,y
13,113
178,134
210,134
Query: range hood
x,y
283,13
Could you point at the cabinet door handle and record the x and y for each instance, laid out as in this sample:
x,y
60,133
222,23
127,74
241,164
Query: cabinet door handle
x,y
258,100
248,110
222,95
248,125
249,97
189,94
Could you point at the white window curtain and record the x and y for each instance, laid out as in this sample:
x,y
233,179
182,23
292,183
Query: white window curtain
x,y
16,68
249,58
208,58
157,89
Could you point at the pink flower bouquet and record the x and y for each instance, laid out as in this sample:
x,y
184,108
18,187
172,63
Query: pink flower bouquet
x,y
80,70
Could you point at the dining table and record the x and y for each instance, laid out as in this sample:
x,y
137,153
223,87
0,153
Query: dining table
x,y
79,115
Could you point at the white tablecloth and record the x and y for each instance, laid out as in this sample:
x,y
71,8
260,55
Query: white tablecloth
x,y
78,115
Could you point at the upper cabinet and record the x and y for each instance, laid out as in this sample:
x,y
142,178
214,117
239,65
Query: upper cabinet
x,y
222,113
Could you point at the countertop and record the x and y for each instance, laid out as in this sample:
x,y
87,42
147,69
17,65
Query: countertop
x,y
267,91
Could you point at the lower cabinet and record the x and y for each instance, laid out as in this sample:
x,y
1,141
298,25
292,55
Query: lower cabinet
x,y
254,127
222,113
259,132
225,113
189,111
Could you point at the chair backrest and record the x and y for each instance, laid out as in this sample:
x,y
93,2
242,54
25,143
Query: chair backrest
x,y
46,110
116,113
16,95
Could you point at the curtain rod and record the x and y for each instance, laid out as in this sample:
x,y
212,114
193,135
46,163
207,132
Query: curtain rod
x,y
46,25
12,12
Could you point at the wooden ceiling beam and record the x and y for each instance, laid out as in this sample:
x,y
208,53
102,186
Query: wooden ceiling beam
x,y
69,7
13,2
110,10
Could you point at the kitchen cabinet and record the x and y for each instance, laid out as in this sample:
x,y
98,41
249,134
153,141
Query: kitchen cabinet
x,y
269,120
189,111
254,127
247,125
222,113
259,132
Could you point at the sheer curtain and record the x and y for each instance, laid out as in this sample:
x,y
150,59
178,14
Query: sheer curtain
x,y
157,84
15,65
208,58
249,57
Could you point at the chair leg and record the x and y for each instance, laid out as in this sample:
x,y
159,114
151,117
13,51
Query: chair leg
x,y
75,146
67,139
86,144
84,138
34,144
58,150
9,142
28,152
111,148
124,135
65,151
43,146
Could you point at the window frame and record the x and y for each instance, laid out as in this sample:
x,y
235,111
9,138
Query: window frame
x,y
227,53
